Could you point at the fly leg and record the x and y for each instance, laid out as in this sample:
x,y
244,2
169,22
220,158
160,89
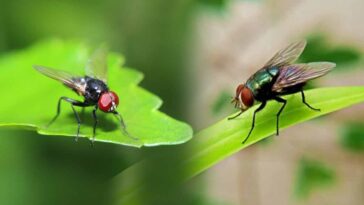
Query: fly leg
x,y
304,102
280,100
58,112
95,124
123,126
241,112
253,122
73,103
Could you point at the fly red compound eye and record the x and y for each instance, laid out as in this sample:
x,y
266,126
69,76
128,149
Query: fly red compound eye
x,y
108,102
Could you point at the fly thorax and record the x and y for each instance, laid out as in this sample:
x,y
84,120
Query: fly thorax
x,y
94,88
273,71
262,80
263,77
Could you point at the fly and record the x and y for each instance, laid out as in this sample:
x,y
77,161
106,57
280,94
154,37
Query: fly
x,y
278,77
93,87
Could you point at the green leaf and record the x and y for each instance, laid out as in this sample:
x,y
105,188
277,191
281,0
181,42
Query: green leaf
x,y
29,99
224,138
312,174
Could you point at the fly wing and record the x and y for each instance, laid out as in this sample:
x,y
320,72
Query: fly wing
x,y
287,55
67,79
97,65
295,74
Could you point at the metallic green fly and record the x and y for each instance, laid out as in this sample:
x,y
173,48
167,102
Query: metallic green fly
x,y
278,77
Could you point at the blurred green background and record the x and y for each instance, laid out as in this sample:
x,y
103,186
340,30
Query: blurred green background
x,y
162,39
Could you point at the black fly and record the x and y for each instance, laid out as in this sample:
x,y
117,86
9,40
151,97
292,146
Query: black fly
x,y
93,87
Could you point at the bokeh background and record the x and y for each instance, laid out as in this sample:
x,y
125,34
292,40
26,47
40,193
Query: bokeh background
x,y
193,54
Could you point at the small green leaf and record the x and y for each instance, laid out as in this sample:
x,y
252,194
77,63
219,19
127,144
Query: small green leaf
x,y
312,174
352,137
224,138
29,99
